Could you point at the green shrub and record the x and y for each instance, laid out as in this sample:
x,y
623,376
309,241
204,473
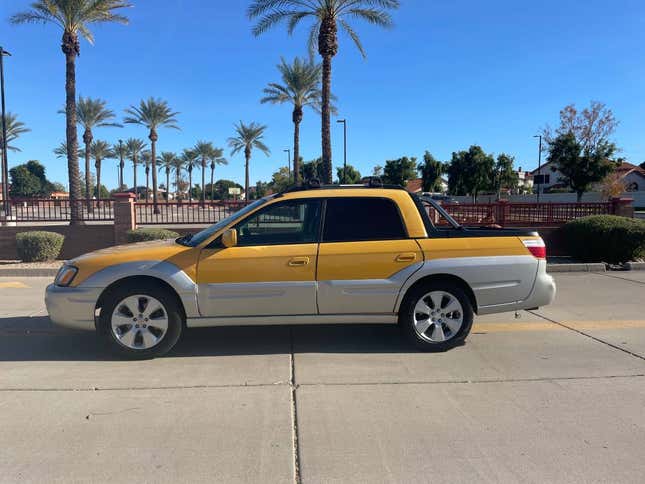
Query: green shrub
x,y
142,235
39,246
605,238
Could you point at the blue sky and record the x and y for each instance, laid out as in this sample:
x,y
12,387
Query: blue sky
x,y
450,74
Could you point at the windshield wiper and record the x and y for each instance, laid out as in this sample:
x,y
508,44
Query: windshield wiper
x,y
185,239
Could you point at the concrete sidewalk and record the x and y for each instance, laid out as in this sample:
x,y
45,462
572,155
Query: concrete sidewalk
x,y
557,396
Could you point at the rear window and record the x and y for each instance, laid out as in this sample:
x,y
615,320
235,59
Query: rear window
x,y
356,219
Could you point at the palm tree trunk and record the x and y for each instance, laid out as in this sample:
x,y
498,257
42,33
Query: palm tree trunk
x,y
203,181
326,119
177,185
212,182
87,139
247,155
153,149
70,49
147,183
167,185
190,185
97,164
121,183
134,168
297,118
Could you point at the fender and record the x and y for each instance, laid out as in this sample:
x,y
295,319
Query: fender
x,y
494,280
183,285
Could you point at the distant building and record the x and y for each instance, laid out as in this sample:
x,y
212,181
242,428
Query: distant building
x,y
59,196
415,185
548,177
524,181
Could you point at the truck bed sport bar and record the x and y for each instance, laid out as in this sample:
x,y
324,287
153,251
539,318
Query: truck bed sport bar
x,y
433,203
314,184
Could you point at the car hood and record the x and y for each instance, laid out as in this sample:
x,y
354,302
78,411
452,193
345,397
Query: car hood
x,y
159,250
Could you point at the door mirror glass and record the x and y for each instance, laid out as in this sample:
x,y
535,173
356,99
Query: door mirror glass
x,y
229,238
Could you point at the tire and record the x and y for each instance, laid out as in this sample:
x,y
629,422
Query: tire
x,y
426,326
147,331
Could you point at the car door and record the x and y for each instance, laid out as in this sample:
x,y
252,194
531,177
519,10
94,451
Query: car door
x,y
365,256
271,271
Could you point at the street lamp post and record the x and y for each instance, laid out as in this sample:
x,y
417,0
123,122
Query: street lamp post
x,y
344,123
539,166
5,160
288,152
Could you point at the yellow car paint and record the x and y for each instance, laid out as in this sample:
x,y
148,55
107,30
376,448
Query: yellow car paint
x,y
448,248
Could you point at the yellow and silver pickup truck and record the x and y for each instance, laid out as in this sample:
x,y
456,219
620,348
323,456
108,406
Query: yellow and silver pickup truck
x,y
310,255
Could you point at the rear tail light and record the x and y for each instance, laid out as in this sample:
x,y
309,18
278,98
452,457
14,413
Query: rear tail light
x,y
536,247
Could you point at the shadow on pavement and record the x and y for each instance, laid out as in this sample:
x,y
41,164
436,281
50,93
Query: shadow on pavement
x,y
36,339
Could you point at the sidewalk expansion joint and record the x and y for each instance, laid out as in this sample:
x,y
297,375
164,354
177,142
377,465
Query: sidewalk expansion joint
x,y
621,278
294,410
607,343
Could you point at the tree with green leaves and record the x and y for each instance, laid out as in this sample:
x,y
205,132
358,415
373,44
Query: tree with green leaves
x,y
90,114
74,17
504,176
222,186
153,114
301,88
190,161
581,166
29,180
135,147
431,172
281,179
167,163
470,172
247,137
15,128
312,170
399,171
350,176
178,168
327,16
146,160
100,150
61,150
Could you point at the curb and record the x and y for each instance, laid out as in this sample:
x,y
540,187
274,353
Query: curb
x,y
28,272
593,267
635,266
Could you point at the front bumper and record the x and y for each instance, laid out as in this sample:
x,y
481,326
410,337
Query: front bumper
x,y
72,307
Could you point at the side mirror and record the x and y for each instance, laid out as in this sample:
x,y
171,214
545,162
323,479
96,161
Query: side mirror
x,y
229,238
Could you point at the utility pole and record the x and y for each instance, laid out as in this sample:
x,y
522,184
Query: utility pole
x,y
5,160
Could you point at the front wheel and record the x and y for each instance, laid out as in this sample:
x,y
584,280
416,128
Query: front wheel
x,y
436,316
140,322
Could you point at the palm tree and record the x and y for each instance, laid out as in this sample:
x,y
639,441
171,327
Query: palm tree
x,y
166,163
301,87
249,136
14,129
120,152
134,147
74,17
61,150
205,151
189,162
101,150
153,114
91,113
326,15
216,159
146,159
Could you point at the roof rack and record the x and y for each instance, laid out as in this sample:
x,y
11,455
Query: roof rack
x,y
314,184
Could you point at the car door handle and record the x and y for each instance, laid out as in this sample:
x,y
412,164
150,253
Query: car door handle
x,y
299,261
406,257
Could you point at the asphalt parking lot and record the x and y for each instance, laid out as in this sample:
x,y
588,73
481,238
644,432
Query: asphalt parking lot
x,y
557,395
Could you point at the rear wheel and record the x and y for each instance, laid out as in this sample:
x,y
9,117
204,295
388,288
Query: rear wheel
x,y
436,316
140,322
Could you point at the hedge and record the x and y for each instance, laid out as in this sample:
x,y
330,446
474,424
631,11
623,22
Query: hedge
x,y
605,238
142,235
39,246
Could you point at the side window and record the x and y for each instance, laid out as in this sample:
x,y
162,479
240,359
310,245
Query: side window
x,y
295,222
356,219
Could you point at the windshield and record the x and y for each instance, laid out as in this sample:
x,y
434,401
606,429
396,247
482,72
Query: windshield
x,y
199,237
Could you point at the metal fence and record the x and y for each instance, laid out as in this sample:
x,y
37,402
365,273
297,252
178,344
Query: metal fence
x,y
46,210
186,213
527,214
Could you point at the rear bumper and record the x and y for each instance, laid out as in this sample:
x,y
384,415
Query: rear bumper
x,y
72,307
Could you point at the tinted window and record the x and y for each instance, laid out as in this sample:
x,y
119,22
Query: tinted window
x,y
348,219
294,222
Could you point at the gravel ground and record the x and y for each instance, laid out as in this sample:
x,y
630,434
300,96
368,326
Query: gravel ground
x,y
16,264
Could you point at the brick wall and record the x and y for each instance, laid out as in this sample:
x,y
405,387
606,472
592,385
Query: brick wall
x,y
78,240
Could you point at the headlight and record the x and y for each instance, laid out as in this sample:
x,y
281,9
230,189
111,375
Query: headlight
x,y
65,276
